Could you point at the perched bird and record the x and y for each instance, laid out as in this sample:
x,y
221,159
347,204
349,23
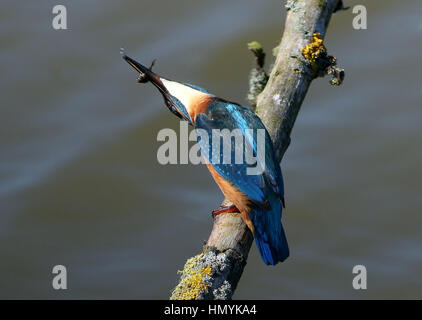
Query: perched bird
x,y
259,198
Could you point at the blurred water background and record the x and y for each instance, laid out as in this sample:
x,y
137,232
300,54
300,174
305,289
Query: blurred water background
x,y
80,184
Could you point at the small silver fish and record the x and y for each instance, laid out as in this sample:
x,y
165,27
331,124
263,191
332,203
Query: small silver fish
x,y
142,76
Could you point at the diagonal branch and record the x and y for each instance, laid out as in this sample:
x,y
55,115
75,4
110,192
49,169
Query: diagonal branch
x,y
302,56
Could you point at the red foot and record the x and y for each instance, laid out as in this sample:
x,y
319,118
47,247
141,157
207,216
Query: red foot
x,y
224,209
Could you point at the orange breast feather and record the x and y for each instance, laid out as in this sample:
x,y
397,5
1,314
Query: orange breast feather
x,y
239,199
199,105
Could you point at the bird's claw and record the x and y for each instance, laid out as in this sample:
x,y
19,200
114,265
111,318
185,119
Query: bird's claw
x,y
224,209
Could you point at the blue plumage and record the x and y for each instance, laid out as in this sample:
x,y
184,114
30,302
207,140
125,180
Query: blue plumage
x,y
269,233
265,190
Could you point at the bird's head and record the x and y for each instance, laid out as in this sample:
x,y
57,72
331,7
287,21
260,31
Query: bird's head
x,y
184,100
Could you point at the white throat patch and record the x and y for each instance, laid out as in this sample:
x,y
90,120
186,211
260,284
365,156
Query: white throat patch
x,y
188,96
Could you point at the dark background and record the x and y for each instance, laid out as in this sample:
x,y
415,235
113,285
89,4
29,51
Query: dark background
x,y
80,184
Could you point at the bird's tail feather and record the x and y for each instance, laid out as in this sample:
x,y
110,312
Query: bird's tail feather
x,y
272,253
269,235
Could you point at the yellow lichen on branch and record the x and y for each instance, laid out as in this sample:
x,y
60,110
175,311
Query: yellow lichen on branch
x,y
320,62
314,50
193,280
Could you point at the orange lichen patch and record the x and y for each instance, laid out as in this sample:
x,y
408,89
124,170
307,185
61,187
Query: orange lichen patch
x,y
314,50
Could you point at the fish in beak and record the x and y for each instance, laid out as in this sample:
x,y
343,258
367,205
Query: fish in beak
x,y
145,74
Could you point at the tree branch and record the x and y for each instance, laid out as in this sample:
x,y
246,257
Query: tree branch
x,y
301,57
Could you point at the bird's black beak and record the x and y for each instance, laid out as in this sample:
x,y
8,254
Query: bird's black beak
x,y
145,74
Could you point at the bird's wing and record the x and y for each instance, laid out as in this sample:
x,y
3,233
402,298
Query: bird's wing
x,y
231,117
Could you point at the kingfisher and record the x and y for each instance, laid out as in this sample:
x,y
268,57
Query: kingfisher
x,y
259,198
